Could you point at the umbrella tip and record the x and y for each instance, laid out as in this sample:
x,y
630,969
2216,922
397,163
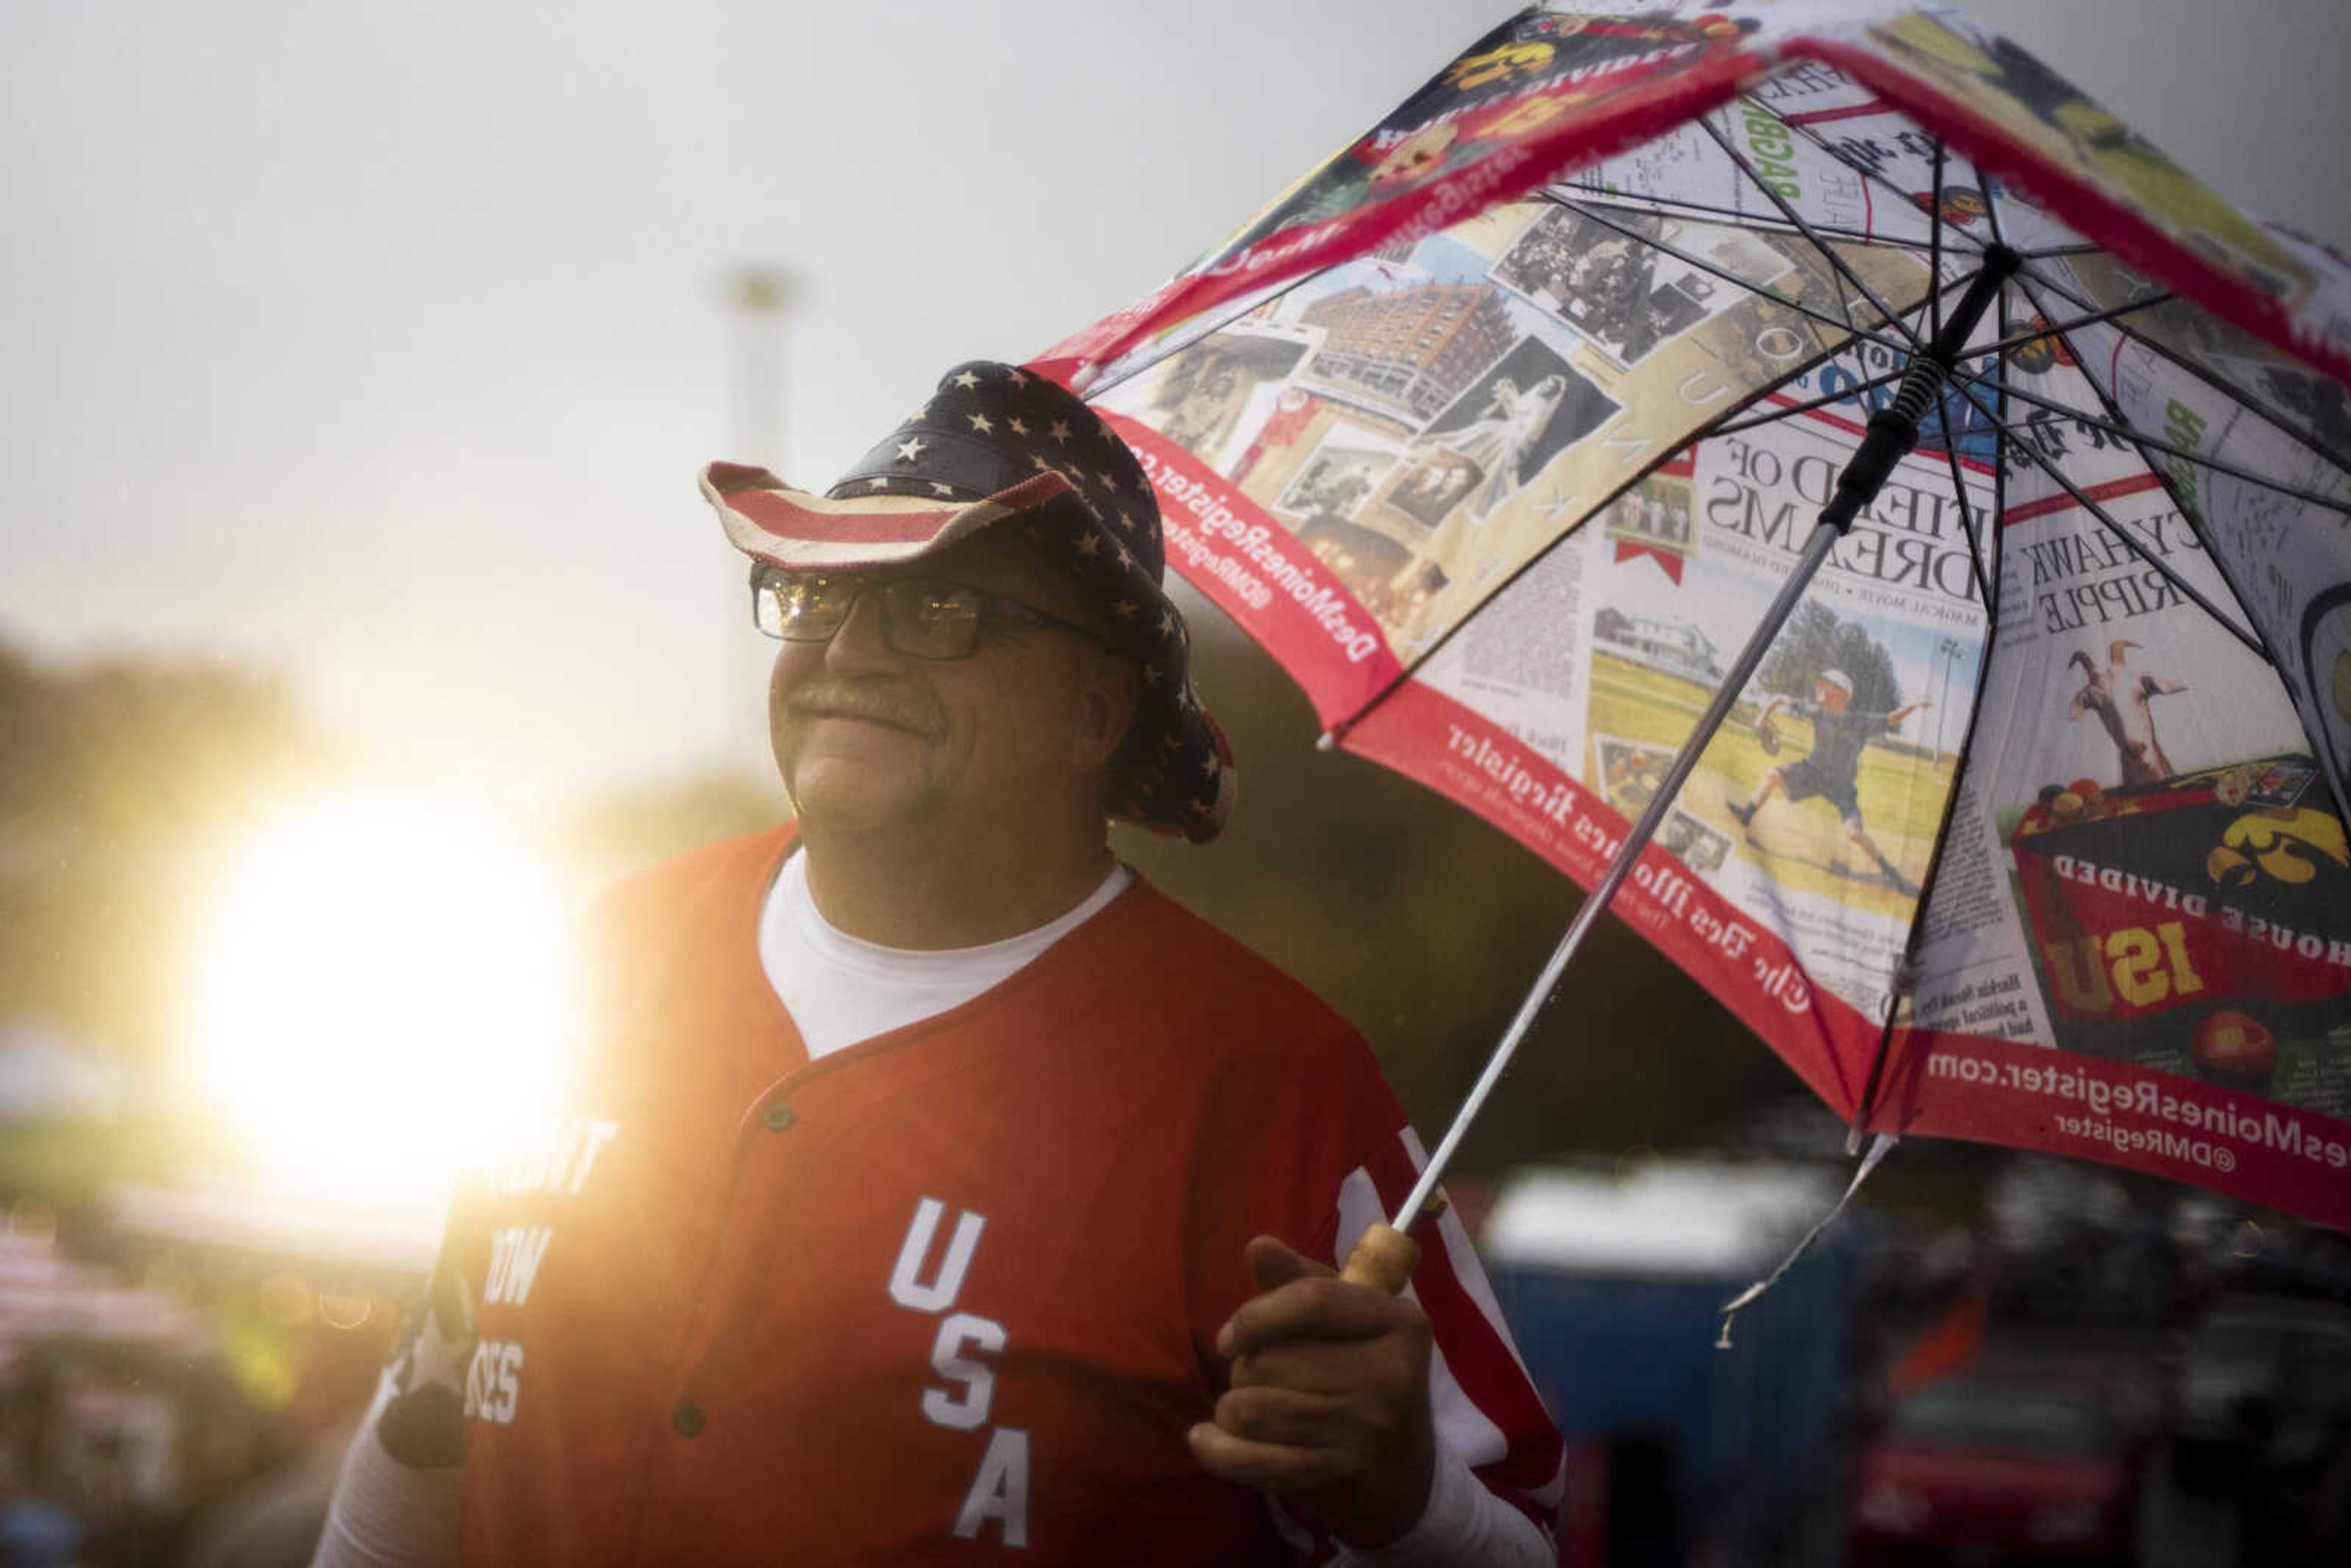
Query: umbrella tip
x,y
1327,741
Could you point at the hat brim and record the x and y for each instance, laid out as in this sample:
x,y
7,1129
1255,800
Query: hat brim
x,y
768,519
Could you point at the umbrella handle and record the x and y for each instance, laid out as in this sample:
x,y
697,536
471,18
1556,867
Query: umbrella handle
x,y
1383,1259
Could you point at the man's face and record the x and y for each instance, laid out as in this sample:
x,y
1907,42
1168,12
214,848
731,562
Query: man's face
x,y
868,738
1831,696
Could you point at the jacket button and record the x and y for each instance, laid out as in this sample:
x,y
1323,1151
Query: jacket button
x,y
778,1116
686,1420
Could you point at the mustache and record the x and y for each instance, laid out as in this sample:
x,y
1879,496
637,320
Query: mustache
x,y
836,697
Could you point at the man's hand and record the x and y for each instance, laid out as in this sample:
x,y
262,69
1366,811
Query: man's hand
x,y
1329,1405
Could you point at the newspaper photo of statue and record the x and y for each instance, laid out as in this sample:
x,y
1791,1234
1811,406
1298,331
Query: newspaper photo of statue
x,y
1494,438
2122,699
1502,435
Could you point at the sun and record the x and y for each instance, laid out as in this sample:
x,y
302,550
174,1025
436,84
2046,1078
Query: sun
x,y
384,996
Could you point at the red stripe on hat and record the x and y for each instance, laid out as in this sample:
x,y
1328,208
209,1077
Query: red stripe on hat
x,y
786,515
775,513
1482,1363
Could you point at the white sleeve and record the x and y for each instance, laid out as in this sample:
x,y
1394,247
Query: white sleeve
x,y
1463,1526
385,1514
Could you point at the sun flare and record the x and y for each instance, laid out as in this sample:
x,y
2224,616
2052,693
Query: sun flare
x,y
384,996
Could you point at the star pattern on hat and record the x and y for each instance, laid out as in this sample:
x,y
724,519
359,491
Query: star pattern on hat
x,y
979,422
967,379
911,448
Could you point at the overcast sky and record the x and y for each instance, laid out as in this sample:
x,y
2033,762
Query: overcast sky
x,y
380,344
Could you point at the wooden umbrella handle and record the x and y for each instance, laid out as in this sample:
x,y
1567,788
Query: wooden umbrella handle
x,y
1383,1259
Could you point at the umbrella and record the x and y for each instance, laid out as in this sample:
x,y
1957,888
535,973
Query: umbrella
x,y
1830,488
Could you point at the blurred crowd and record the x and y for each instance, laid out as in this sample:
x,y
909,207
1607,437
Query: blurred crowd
x,y
2082,1369
173,1403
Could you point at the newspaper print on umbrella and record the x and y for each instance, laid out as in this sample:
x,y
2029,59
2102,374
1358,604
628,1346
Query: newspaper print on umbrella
x,y
1502,431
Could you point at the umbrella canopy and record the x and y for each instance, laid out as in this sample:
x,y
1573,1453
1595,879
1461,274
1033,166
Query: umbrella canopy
x,y
1507,427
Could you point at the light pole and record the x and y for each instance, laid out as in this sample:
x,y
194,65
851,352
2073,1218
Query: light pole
x,y
758,296
1950,650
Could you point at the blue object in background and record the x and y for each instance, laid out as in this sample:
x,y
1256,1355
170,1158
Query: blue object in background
x,y
1614,1290
38,1534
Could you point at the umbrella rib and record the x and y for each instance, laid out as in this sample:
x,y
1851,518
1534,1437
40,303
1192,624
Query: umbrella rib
x,y
1810,312
2145,441
1935,245
2061,328
1992,217
2194,515
1732,427
1673,206
2184,589
1968,524
2292,429
1828,254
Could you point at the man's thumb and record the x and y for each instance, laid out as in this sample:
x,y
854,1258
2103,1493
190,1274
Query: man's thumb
x,y
1273,1263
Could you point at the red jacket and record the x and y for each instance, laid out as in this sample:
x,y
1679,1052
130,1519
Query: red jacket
x,y
945,1294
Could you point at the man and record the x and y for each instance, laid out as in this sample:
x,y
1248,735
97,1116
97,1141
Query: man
x,y
1831,769
939,1191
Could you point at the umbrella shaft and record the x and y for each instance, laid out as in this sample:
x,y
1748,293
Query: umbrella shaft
x,y
1826,534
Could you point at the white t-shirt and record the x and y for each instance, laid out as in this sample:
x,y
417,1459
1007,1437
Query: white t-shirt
x,y
841,990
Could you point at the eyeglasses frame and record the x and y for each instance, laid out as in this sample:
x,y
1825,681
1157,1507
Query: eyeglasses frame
x,y
992,606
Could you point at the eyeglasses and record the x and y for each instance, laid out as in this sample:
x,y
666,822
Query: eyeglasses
x,y
920,618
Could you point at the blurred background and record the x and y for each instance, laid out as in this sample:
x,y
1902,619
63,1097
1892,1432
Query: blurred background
x,y
358,618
